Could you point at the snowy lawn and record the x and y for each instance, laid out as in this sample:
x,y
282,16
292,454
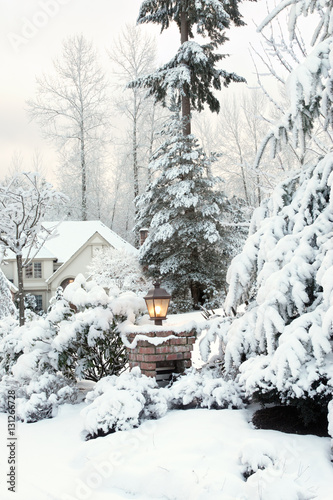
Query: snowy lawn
x,y
186,455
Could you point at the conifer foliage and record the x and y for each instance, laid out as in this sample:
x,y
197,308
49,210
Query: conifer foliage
x,y
310,83
182,207
192,73
280,345
283,343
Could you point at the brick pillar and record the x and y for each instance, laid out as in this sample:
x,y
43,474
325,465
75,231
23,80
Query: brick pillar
x,y
174,353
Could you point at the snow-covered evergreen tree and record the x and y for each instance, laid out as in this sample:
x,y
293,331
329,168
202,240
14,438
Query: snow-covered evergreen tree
x,y
309,86
191,74
282,344
182,208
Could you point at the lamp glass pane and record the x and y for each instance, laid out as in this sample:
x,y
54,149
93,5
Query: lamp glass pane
x,y
161,307
150,307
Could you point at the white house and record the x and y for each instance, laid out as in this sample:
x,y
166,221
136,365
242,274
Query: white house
x,y
63,257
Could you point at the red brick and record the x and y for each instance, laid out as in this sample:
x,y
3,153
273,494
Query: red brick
x,y
162,349
150,358
164,334
187,363
174,356
149,373
186,334
143,343
181,348
146,350
187,355
148,366
191,340
178,341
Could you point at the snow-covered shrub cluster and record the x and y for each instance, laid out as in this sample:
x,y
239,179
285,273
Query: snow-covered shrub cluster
x,y
121,403
37,397
257,455
77,338
28,366
90,346
26,349
282,344
206,388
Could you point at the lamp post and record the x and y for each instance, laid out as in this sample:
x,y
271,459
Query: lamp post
x,y
157,300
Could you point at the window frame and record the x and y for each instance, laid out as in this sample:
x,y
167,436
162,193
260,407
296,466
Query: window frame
x,y
34,270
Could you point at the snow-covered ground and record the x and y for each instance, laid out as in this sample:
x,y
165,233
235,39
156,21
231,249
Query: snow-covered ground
x,y
187,455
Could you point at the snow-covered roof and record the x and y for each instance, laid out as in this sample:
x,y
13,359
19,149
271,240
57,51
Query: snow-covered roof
x,y
72,235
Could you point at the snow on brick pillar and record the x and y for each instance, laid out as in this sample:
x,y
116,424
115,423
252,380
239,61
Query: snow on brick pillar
x,y
151,356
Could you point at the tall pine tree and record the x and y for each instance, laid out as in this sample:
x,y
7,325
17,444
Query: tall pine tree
x,y
182,208
192,73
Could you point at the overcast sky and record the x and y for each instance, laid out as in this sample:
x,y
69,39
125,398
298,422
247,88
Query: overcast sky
x,y
32,32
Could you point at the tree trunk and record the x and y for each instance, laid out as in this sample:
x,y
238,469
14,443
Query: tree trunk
x,y
20,289
135,162
258,189
186,105
196,294
83,177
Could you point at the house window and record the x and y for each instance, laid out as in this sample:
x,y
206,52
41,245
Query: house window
x,y
39,302
66,282
33,270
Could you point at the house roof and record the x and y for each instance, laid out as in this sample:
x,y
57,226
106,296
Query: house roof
x,y
72,235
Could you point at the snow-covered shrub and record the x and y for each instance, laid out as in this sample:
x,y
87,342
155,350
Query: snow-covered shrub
x,y
206,388
31,342
30,345
256,454
29,367
112,268
121,403
37,397
89,345
77,338
34,338
7,307
212,340
282,344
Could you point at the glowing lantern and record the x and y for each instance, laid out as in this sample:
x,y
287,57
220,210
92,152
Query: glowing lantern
x,y
157,300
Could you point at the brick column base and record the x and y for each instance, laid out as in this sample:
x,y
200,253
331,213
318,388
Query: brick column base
x,y
174,353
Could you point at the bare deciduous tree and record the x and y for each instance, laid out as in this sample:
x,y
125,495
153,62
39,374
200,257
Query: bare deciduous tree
x,y
23,203
72,107
133,55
